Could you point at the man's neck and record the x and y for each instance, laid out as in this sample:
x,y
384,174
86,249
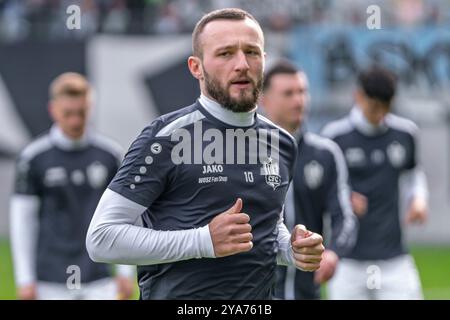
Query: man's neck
x,y
237,119
292,129
364,125
65,142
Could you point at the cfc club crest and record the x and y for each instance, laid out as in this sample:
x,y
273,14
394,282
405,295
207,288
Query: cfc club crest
x,y
396,153
271,171
313,172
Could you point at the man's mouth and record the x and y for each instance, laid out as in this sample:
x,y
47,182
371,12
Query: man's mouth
x,y
243,83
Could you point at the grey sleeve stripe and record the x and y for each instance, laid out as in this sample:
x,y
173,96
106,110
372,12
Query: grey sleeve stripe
x,y
36,147
284,239
344,197
336,128
415,183
285,255
402,124
277,127
24,226
180,123
114,236
343,188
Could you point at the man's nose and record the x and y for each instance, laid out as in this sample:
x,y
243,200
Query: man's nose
x,y
241,62
298,98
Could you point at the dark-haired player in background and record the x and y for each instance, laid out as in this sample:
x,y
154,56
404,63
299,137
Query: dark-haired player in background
x,y
319,185
379,148
60,178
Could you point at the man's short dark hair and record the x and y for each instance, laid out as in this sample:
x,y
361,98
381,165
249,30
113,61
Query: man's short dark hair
x,y
220,14
378,83
280,67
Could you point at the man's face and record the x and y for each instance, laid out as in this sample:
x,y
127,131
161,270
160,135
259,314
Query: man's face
x,y
232,63
374,110
286,99
70,114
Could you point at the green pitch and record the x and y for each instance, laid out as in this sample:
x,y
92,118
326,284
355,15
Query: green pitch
x,y
434,268
7,290
433,264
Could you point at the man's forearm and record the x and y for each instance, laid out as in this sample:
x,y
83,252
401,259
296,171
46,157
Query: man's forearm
x,y
113,238
416,184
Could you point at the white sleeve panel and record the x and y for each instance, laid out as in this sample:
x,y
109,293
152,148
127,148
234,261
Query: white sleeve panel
x,y
285,255
346,237
24,227
113,236
415,184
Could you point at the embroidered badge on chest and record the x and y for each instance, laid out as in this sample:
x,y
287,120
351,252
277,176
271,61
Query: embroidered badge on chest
x,y
313,172
271,171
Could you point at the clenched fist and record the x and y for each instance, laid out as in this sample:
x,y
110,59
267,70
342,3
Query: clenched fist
x,y
307,248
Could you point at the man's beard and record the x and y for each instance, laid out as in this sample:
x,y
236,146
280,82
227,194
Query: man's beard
x,y
222,96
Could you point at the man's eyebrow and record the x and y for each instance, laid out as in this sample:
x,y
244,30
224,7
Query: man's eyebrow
x,y
226,47
234,46
249,45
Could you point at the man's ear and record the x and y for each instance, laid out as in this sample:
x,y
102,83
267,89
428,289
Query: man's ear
x,y
195,67
357,95
52,110
262,99
264,56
